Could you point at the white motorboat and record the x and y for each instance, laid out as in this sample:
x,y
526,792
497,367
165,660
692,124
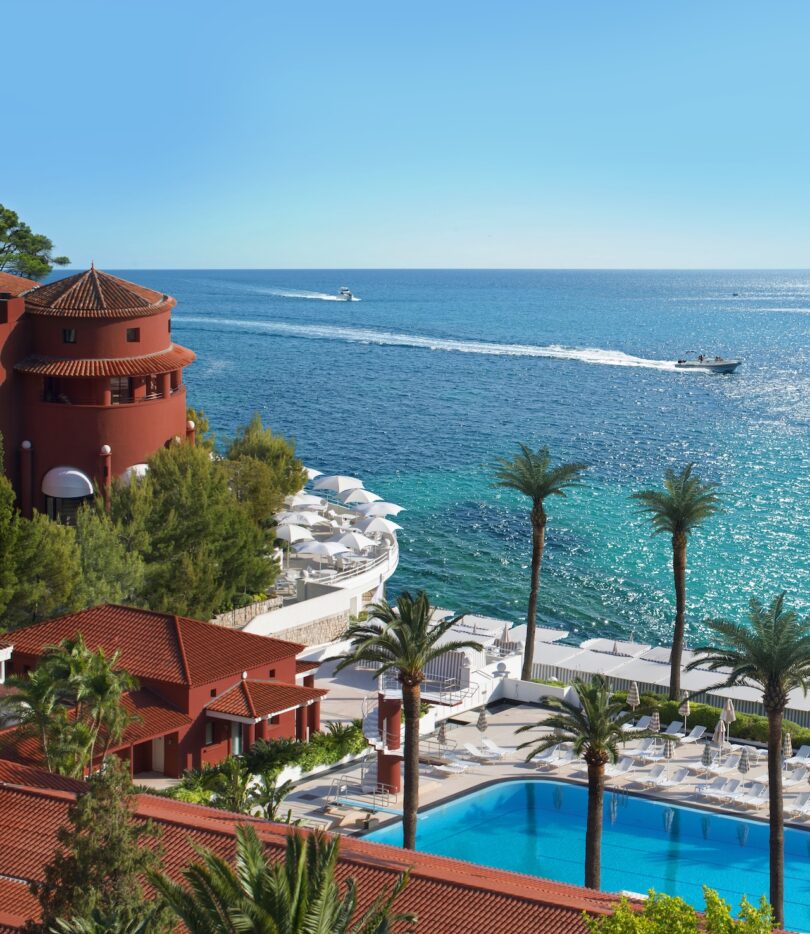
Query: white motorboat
x,y
345,294
709,364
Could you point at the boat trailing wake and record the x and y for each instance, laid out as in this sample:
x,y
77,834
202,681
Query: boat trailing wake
x,y
592,355
313,296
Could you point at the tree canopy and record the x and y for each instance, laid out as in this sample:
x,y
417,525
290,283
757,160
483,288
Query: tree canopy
x,y
22,251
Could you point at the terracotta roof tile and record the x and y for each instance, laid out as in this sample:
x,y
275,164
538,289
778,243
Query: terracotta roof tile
x,y
303,667
449,896
15,773
15,285
95,294
254,699
159,646
162,362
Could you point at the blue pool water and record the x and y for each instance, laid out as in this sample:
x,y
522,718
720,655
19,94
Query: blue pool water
x,y
419,386
538,827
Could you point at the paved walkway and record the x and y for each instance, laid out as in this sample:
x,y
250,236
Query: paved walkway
x,y
307,801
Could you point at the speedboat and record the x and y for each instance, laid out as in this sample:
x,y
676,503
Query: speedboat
x,y
345,294
709,364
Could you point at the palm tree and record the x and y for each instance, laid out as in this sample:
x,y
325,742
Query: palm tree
x,y
32,707
595,729
532,474
296,894
771,652
404,639
683,504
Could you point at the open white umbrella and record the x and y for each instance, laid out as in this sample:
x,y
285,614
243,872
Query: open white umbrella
x,y
633,698
291,533
378,509
354,540
320,550
307,519
358,496
312,473
728,716
337,483
304,501
376,524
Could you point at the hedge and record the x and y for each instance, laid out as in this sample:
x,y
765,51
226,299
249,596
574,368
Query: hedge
x,y
322,749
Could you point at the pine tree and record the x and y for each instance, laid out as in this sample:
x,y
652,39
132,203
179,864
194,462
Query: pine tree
x,y
102,857
111,573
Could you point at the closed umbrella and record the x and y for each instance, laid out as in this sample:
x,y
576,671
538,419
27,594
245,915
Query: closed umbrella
x,y
744,764
358,496
337,483
684,710
378,509
669,749
376,524
719,736
706,758
655,722
728,716
633,698
787,747
441,736
482,725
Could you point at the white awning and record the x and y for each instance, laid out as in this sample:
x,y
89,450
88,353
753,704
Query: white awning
x,y
136,470
67,483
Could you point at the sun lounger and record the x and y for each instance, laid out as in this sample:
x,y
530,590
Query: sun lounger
x,y
801,806
669,781
622,767
546,757
802,757
494,748
451,767
724,769
696,734
655,776
643,723
643,749
713,789
755,797
483,754
674,729
796,778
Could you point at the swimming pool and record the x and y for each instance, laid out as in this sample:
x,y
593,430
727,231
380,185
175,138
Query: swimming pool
x,y
538,827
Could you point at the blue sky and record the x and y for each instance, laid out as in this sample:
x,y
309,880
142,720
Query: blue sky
x,y
429,134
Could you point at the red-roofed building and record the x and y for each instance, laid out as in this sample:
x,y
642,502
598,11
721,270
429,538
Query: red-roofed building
x,y
447,895
90,385
205,692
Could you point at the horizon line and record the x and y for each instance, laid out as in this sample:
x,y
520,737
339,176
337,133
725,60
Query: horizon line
x,y
445,268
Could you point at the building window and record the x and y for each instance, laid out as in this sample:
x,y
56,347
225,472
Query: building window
x,y
170,325
152,391
236,739
213,692
133,335
271,673
274,721
120,390
209,732
69,336
64,509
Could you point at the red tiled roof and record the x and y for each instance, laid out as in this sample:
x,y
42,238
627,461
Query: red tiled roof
x,y
155,717
301,666
161,362
15,285
255,699
449,896
15,773
95,294
159,646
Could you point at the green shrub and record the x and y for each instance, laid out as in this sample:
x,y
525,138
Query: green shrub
x,y
323,749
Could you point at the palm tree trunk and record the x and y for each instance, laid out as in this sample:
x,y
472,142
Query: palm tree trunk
x,y
411,697
593,834
538,544
777,836
679,573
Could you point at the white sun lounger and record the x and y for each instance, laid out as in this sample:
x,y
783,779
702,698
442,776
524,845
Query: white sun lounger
x,y
755,797
643,749
456,767
622,767
796,778
695,734
477,753
669,781
655,776
494,748
713,789
643,723
730,766
802,757
546,757
801,806
674,728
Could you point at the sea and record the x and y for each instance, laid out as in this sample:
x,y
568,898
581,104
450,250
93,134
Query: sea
x,y
429,376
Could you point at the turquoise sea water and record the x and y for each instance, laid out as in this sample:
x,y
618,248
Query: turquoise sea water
x,y
538,827
421,384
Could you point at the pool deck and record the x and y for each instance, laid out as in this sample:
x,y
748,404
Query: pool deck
x,y
308,798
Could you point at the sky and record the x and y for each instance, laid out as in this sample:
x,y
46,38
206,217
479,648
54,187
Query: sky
x,y
432,133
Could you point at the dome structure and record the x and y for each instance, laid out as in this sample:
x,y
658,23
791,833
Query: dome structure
x,y
95,294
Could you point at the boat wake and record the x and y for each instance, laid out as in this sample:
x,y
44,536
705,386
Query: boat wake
x,y
312,296
593,355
